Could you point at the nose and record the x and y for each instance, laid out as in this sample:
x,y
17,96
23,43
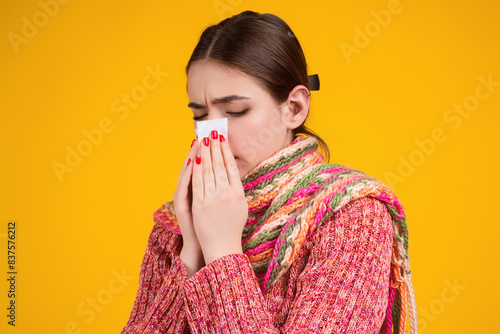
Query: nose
x,y
213,113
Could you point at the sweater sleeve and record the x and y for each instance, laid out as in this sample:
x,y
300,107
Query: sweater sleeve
x,y
342,289
158,306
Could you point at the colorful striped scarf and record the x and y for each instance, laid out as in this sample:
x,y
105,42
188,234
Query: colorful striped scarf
x,y
290,195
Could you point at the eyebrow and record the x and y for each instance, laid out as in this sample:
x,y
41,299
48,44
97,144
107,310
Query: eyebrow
x,y
218,100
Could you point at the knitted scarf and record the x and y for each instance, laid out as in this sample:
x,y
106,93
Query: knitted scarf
x,y
290,195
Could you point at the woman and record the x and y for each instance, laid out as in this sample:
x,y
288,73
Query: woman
x,y
263,236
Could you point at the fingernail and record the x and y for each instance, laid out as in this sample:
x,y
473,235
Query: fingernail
x,y
214,134
192,143
198,160
221,137
189,161
206,141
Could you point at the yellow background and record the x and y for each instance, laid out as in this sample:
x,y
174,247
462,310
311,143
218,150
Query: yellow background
x,y
78,232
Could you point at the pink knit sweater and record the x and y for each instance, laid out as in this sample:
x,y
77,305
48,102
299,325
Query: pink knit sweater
x,y
338,284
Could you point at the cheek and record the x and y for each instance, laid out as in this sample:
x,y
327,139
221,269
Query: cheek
x,y
258,125
250,136
237,135
267,129
242,135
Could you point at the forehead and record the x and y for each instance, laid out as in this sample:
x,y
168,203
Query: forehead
x,y
208,78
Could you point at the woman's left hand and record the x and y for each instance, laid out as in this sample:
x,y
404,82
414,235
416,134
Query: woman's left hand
x,y
220,209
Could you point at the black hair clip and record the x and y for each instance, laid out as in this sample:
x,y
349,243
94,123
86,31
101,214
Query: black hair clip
x,y
314,82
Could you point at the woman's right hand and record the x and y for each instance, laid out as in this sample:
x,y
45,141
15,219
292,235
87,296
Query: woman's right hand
x,y
191,253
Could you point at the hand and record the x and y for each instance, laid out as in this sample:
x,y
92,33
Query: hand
x,y
191,253
220,209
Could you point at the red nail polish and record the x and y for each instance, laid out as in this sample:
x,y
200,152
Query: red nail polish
x,y
189,161
206,141
214,134
192,143
198,160
221,137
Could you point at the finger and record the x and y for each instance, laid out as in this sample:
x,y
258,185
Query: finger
x,y
191,159
197,181
207,170
186,171
231,167
184,165
218,165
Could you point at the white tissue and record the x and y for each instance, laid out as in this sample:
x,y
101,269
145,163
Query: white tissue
x,y
203,129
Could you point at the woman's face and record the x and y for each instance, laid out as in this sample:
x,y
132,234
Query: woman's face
x,y
218,91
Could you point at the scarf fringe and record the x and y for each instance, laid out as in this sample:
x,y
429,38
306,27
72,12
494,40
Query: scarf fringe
x,y
401,305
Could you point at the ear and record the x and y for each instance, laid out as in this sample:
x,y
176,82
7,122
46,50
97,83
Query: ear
x,y
296,107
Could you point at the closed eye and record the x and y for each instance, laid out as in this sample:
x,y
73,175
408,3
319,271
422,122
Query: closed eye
x,y
235,114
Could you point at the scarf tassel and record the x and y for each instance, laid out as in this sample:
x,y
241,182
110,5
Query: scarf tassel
x,y
401,301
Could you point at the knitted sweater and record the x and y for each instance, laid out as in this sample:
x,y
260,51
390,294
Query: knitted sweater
x,y
336,278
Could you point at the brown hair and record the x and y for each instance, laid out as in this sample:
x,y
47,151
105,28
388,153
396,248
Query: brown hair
x,y
261,45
